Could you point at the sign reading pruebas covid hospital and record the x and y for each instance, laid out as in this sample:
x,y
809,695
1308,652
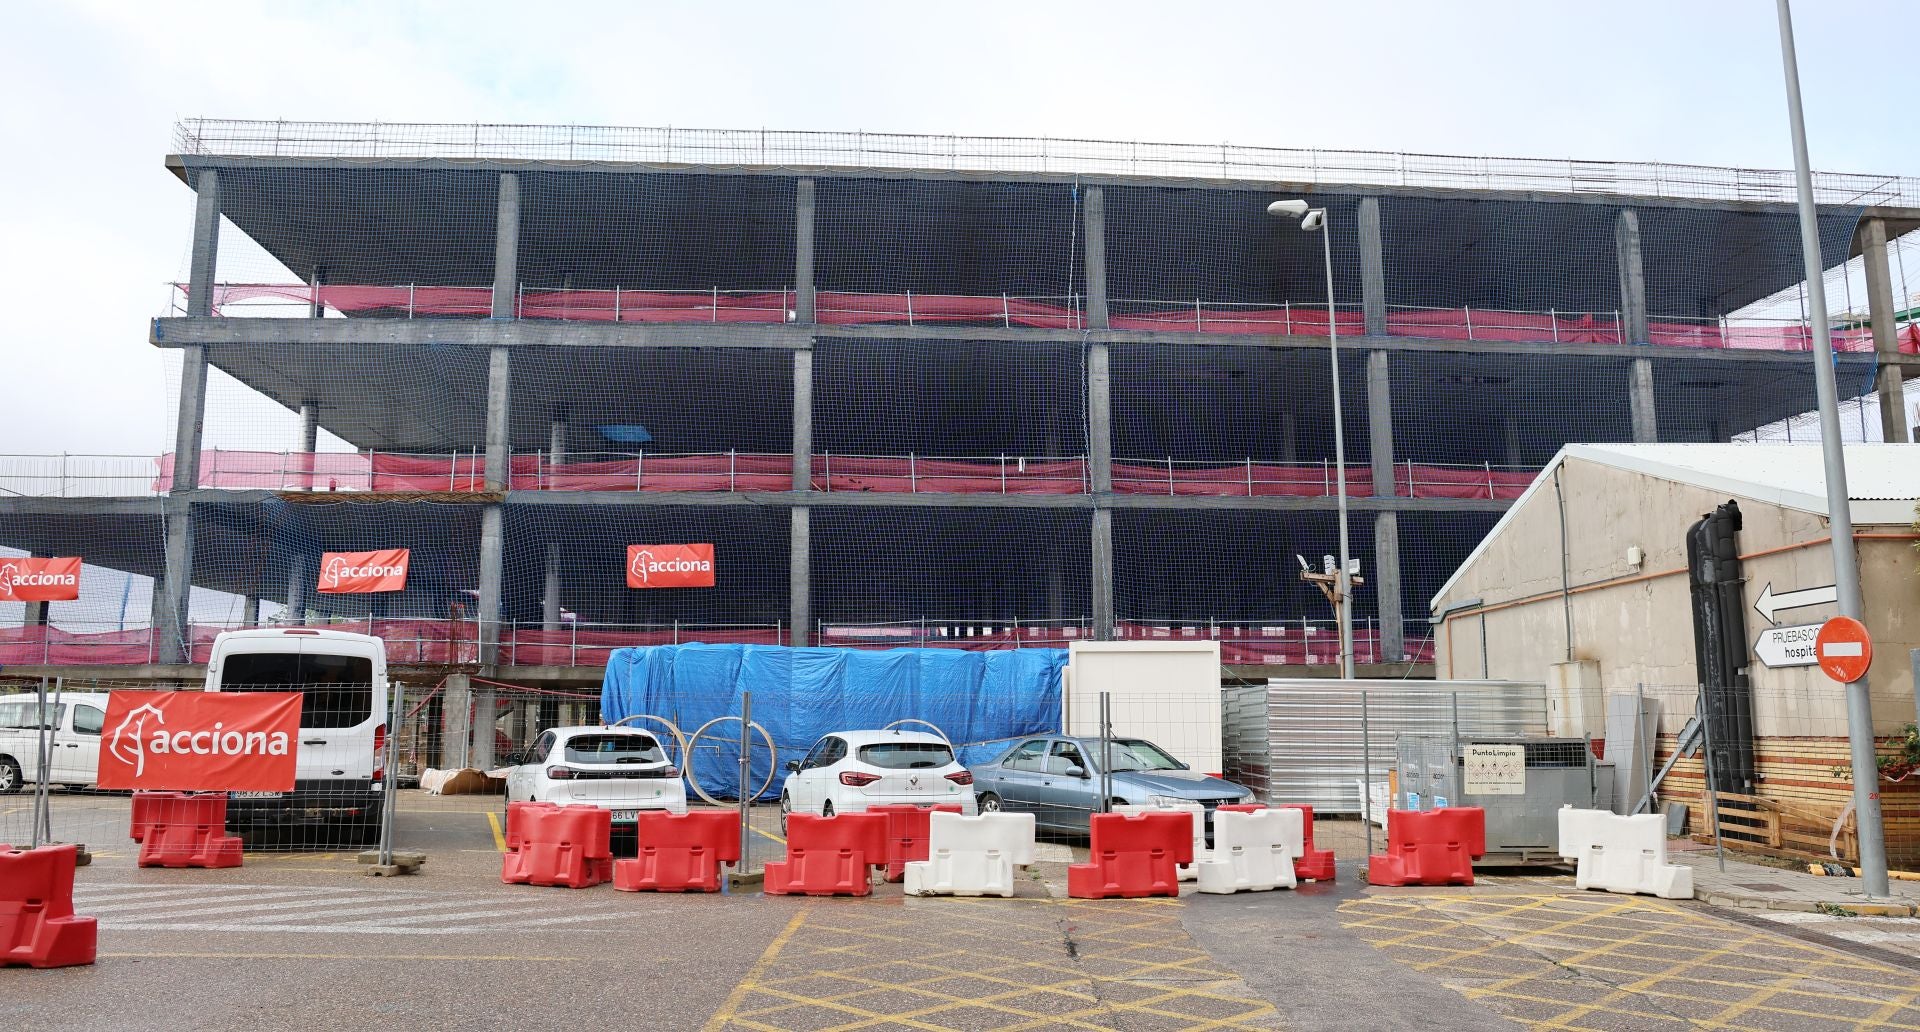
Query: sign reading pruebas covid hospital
x,y
194,741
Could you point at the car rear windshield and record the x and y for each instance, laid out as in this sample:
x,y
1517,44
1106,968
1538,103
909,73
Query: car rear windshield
x,y
906,755
338,689
613,749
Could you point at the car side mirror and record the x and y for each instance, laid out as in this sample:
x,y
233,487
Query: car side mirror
x,y
1184,766
514,759
1077,772
793,766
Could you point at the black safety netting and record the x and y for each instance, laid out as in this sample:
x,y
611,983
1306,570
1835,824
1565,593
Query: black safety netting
x,y
123,548
971,401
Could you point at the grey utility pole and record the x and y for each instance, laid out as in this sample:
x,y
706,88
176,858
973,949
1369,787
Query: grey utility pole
x,y
1846,569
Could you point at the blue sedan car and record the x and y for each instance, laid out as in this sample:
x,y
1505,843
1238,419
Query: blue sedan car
x,y
1057,779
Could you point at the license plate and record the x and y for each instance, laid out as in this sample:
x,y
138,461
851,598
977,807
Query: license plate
x,y
258,795
624,816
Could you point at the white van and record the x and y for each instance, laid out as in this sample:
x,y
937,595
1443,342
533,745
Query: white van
x,y
340,770
75,719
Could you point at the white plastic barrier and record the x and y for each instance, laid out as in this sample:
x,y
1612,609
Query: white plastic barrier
x,y
972,856
1187,871
1622,854
1376,800
1253,852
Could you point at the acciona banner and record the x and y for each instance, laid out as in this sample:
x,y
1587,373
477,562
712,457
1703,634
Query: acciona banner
x,y
196,741
39,580
670,566
363,573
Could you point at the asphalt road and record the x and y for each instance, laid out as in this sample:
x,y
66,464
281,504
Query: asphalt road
x,y
304,940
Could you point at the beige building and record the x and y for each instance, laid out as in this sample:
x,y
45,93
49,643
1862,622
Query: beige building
x,y
1614,599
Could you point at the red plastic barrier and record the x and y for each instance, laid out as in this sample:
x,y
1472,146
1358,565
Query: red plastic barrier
x,y
1434,847
148,809
189,831
1314,864
37,925
1133,855
558,845
680,852
907,826
829,856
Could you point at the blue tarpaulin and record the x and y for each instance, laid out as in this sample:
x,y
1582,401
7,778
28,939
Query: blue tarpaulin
x,y
978,699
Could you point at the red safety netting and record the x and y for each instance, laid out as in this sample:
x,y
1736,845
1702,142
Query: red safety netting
x,y
723,471
42,644
842,308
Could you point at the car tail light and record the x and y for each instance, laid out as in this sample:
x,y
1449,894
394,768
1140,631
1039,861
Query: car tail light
x,y
961,777
560,773
379,752
855,779
670,772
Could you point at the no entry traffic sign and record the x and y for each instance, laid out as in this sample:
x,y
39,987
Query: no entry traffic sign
x,y
1844,649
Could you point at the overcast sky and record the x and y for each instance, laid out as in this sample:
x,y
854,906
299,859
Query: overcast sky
x,y
93,227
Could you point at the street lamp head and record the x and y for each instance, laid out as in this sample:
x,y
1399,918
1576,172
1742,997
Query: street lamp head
x,y
1314,220
1291,209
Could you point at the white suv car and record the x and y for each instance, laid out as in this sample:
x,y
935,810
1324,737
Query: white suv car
x,y
622,769
848,771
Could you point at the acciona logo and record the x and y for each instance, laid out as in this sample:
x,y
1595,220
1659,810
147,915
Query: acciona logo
x,y
14,577
645,566
339,570
670,566
143,731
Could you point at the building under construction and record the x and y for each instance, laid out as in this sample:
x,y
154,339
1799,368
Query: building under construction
x,y
980,393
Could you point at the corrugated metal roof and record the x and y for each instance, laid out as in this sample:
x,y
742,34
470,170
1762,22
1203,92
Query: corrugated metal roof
x,y
1883,480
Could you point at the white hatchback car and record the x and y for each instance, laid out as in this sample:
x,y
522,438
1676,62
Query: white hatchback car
x,y
622,769
848,771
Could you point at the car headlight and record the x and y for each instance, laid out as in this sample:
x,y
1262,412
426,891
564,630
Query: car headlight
x,y
1166,800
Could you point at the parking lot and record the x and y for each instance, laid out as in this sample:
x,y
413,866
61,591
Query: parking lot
x,y
301,939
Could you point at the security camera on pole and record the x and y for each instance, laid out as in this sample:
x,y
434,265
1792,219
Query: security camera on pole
x,y
1340,592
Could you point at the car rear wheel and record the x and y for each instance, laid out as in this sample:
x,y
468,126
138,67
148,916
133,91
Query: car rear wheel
x,y
10,777
786,808
988,803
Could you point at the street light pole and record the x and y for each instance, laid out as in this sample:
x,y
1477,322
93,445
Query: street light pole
x,y
1316,219
1846,570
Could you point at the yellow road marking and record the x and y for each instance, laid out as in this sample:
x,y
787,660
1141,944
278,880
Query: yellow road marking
x,y
766,834
499,837
727,1010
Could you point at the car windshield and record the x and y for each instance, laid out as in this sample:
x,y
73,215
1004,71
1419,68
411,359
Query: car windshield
x,y
906,755
613,749
1140,754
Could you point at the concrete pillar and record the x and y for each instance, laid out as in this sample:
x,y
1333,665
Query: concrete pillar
x,y
1373,277
1888,376
1096,230
800,577
205,258
803,310
1289,437
803,419
550,591
174,588
1386,525
499,418
1099,419
170,622
309,442
250,611
486,713
296,589
1380,422
506,248
1640,404
456,721
1633,277
1516,448
491,553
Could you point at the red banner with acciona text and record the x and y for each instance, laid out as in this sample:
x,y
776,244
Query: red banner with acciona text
x,y
670,566
362,573
39,580
195,741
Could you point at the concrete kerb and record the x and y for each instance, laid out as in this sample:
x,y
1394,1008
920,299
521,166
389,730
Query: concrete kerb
x,y
1746,886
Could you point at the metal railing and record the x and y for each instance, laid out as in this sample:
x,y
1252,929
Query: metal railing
x,y
464,471
1067,311
1017,155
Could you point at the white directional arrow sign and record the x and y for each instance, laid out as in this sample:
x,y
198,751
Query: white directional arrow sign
x,y
1770,603
1788,646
